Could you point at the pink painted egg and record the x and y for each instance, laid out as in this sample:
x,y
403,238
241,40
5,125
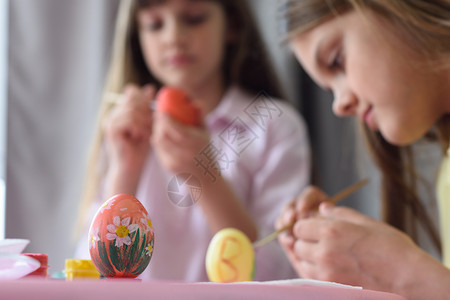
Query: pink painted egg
x,y
121,237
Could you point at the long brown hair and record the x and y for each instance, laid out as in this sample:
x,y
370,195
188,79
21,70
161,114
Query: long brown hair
x,y
424,26
246,64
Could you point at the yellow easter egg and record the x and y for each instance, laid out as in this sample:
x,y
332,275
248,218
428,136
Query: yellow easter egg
x,y
230,257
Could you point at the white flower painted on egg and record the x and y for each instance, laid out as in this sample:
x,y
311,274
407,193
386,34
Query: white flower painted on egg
x,y
120,231
147,223
94,238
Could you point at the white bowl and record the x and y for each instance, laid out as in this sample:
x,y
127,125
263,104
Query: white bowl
x,y
13,246
15,266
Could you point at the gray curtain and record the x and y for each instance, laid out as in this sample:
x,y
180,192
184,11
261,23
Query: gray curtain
x,y
58,50
3,102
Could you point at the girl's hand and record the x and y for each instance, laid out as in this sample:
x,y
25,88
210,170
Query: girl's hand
x,y
304,206
178,144
128,128
342,245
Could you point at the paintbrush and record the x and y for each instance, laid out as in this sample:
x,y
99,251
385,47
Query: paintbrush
x,y
114,98
335,199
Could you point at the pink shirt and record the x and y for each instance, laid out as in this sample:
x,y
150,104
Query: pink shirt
x,y
262,149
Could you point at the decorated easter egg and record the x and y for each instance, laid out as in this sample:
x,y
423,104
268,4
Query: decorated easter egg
x,y
230,257
178,105
121,237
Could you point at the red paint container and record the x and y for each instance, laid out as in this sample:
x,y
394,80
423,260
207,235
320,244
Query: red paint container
x,y
43,260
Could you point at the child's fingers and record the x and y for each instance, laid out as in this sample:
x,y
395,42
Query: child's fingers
x,y
171,127
306,251
311,229
140,98
189,137
331,211
286,217
123,118
286,240
149,91
309,200
125,129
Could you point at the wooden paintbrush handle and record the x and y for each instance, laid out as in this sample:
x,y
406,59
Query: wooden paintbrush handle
x,y
335,199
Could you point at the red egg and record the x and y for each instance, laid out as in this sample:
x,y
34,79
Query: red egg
x,y
121,237
178,105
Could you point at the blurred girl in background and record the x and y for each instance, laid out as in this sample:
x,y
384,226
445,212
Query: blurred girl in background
x,y
247,158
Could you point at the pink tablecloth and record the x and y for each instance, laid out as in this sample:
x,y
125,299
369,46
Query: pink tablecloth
x,y
134,289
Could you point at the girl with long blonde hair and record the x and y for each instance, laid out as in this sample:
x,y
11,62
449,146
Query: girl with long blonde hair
x,y
387,63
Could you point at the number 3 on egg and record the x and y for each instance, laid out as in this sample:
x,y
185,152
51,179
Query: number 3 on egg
x,y
229,252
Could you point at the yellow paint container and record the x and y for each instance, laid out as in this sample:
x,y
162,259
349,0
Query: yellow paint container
x,y
80,269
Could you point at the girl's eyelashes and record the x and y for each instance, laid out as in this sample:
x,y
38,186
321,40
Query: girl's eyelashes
x,y
188,19
154,25
195,19
336,61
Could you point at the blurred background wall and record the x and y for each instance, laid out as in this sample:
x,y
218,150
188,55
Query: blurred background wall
x,y
58,51
57,56
3,107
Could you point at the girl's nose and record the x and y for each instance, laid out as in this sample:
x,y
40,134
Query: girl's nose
x,y
175,32
345,103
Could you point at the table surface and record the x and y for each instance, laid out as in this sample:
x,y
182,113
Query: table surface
x,y
126,289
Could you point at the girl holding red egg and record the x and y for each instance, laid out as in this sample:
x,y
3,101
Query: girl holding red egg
x,y
237,154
